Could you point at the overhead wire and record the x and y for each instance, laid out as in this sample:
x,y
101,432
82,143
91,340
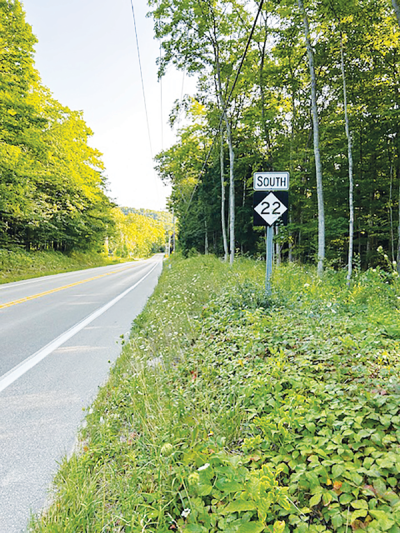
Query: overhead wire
x,y
142,79
161,105
157,183
227,102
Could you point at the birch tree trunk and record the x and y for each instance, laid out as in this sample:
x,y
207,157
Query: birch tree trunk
x,y
396,10
231,190
318,169
391,213
224,238
398,234
350,158
231,161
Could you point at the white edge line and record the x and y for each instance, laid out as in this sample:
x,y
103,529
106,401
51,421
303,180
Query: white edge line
x,y
19,370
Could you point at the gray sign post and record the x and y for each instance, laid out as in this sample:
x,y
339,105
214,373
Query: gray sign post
x,y
271,202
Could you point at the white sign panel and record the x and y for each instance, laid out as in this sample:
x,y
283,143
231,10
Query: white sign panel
x,y
270,209
271,181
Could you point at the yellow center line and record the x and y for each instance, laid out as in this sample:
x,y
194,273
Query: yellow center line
x,y
52,291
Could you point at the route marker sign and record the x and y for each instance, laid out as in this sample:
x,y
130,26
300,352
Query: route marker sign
x,y
269,207
271,202
271,181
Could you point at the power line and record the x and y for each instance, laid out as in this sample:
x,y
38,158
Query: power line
x,y
228,99
161,104
141,77
246,50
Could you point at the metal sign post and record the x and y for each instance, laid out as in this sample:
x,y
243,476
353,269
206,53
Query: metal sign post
x,y
271,203
269,238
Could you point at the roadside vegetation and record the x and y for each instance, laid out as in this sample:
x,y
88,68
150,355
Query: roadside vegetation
x,y
17,264
136,236
231,412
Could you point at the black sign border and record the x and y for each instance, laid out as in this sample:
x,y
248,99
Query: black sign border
x,y
258,197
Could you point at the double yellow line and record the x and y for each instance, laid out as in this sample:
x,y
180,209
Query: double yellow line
x,y
35,296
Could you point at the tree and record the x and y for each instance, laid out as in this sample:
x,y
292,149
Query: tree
x,y
202,37
318,168
396,10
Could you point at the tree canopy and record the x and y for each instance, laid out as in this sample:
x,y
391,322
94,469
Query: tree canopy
x,y
354,46
52,186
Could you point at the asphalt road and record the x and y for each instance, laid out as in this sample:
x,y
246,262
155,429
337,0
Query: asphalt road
x,y
58,336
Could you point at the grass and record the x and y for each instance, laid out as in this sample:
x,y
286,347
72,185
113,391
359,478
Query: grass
x,y
16,265
231,412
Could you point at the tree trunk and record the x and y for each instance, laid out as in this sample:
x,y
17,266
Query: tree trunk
x,y
290,258
262,94
391,213
398,232
318,168
231,191
396,10
205,236
174,231
278,257
231,157
223,222
350,158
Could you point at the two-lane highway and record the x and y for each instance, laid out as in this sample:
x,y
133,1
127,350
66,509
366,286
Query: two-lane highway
x,y
57,337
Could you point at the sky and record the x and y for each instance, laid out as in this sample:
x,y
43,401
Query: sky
x,y
87,56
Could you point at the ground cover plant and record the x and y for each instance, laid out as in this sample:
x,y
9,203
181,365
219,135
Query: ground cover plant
x,y
18,264
228,411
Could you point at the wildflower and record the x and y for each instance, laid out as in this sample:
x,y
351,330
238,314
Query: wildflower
x,y
167,449
204,467
185,513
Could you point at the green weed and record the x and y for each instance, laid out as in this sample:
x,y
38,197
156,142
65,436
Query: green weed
x,y
231,412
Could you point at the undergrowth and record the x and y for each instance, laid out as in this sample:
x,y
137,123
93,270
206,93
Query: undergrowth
x,y
229,411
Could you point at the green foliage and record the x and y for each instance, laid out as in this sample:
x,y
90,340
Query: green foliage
x,y
271,122
18,264
230,412
139,233
52,190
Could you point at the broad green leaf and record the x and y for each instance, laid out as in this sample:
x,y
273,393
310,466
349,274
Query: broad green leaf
x,y
238,506
346,498
204,490
315,500
279,526
359,504
337,520
251,527
359,513
385,521
337,470
229,486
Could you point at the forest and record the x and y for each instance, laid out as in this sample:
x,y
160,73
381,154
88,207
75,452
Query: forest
x,y
52,189
53,192
308,87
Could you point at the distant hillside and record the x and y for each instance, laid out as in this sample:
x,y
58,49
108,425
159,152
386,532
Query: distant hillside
x,y
162,216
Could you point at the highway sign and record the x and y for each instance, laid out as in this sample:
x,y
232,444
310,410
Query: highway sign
x,y
271,181
269,207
